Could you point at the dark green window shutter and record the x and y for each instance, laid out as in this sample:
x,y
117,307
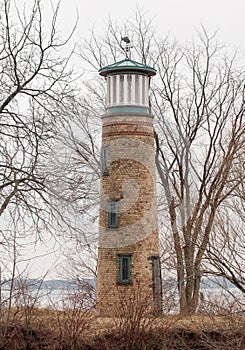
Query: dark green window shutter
x,y
124,268
113,214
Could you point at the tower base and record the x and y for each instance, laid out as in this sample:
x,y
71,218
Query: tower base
x,y
142,293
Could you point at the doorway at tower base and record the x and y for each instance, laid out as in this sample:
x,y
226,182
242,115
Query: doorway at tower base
x,y
156,283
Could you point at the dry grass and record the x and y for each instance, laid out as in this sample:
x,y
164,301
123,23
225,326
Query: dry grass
x,y
173,333
83,330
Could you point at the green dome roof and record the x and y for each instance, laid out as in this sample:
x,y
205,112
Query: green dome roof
x,y
127,65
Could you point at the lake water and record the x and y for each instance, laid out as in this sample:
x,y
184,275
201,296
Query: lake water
x,y
67,294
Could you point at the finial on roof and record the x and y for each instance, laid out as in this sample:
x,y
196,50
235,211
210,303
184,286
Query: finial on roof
x,y
126,48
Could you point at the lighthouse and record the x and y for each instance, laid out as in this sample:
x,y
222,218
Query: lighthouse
x,y
128,243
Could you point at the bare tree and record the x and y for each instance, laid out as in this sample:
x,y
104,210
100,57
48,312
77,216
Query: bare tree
x,y
35,87
78,169
225,252
199,103
37,95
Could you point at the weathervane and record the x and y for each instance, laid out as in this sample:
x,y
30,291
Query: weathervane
x,y
126,47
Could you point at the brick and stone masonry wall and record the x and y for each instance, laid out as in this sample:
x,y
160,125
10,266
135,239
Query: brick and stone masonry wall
x,y
131,181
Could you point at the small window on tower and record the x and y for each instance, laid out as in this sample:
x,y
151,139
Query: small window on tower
x,y
105,159
113,214
124,268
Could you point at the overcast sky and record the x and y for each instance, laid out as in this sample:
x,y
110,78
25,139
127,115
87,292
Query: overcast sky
x,y
178,18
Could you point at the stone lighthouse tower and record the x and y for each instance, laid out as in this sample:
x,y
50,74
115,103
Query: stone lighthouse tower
x,y
128,252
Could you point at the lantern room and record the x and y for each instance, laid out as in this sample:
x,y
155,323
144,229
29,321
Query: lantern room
x,y
127,86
